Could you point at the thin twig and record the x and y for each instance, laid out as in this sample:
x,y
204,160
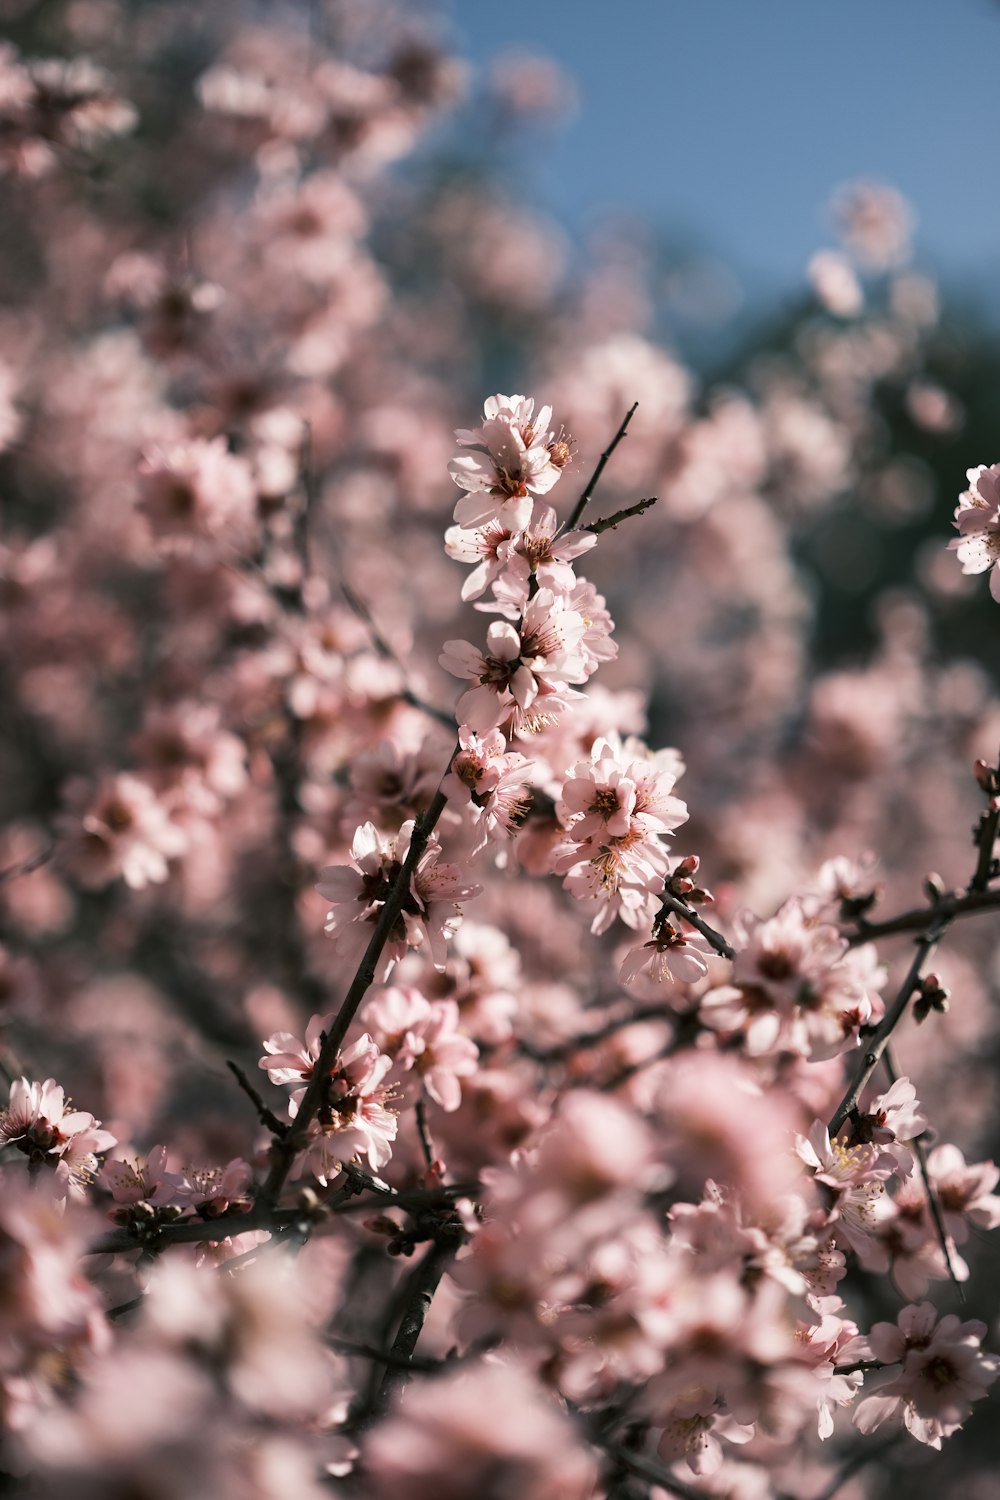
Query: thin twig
x,y
382,1356
610,522
933,1202
926,944
581,504
653,1012
648,1468
387,653
27,866
266,1116
945,909
714,939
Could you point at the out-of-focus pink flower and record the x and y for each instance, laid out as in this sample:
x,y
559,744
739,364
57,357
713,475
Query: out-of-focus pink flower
x,y
445,1442
964,1191
123,829
796,986
875,223
198,491
944,1372
833,280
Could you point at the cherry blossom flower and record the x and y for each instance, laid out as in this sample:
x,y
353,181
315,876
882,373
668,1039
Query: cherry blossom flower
x,y
796,986
511,458
430,911
857,1176
197,491
353,1117
944,1372
495,780
123,829
673,954
423,1035
39,1123
977,519
444,1442
964,1191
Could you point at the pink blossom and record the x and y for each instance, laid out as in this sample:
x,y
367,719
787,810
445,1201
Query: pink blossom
x,y
495,780
964,1191
856,1174
517,661
977,519
511,457
673,954
444,1442
430,913
123,829
197,491
39,1123
354,1117
796,986
943,1372
423,1035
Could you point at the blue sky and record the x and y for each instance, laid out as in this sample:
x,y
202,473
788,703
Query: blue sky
x,y
732,120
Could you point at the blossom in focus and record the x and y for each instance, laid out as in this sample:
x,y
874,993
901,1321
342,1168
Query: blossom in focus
x,y
423,1035
39,1123
430,912
511,457
977,520
353,1118
673,954
796,986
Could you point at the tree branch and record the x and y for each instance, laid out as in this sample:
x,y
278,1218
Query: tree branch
x,y
584,500
285,1150
926,944
610,522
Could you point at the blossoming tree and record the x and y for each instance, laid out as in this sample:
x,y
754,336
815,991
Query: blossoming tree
x,y
454,1138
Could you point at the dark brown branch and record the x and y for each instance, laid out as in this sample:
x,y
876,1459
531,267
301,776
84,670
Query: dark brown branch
x,y
426,1144
584,500
420,1294
932,1198
926,944
382,1356
266,1116
284,1150
949,906
610,522
986,837
713,938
